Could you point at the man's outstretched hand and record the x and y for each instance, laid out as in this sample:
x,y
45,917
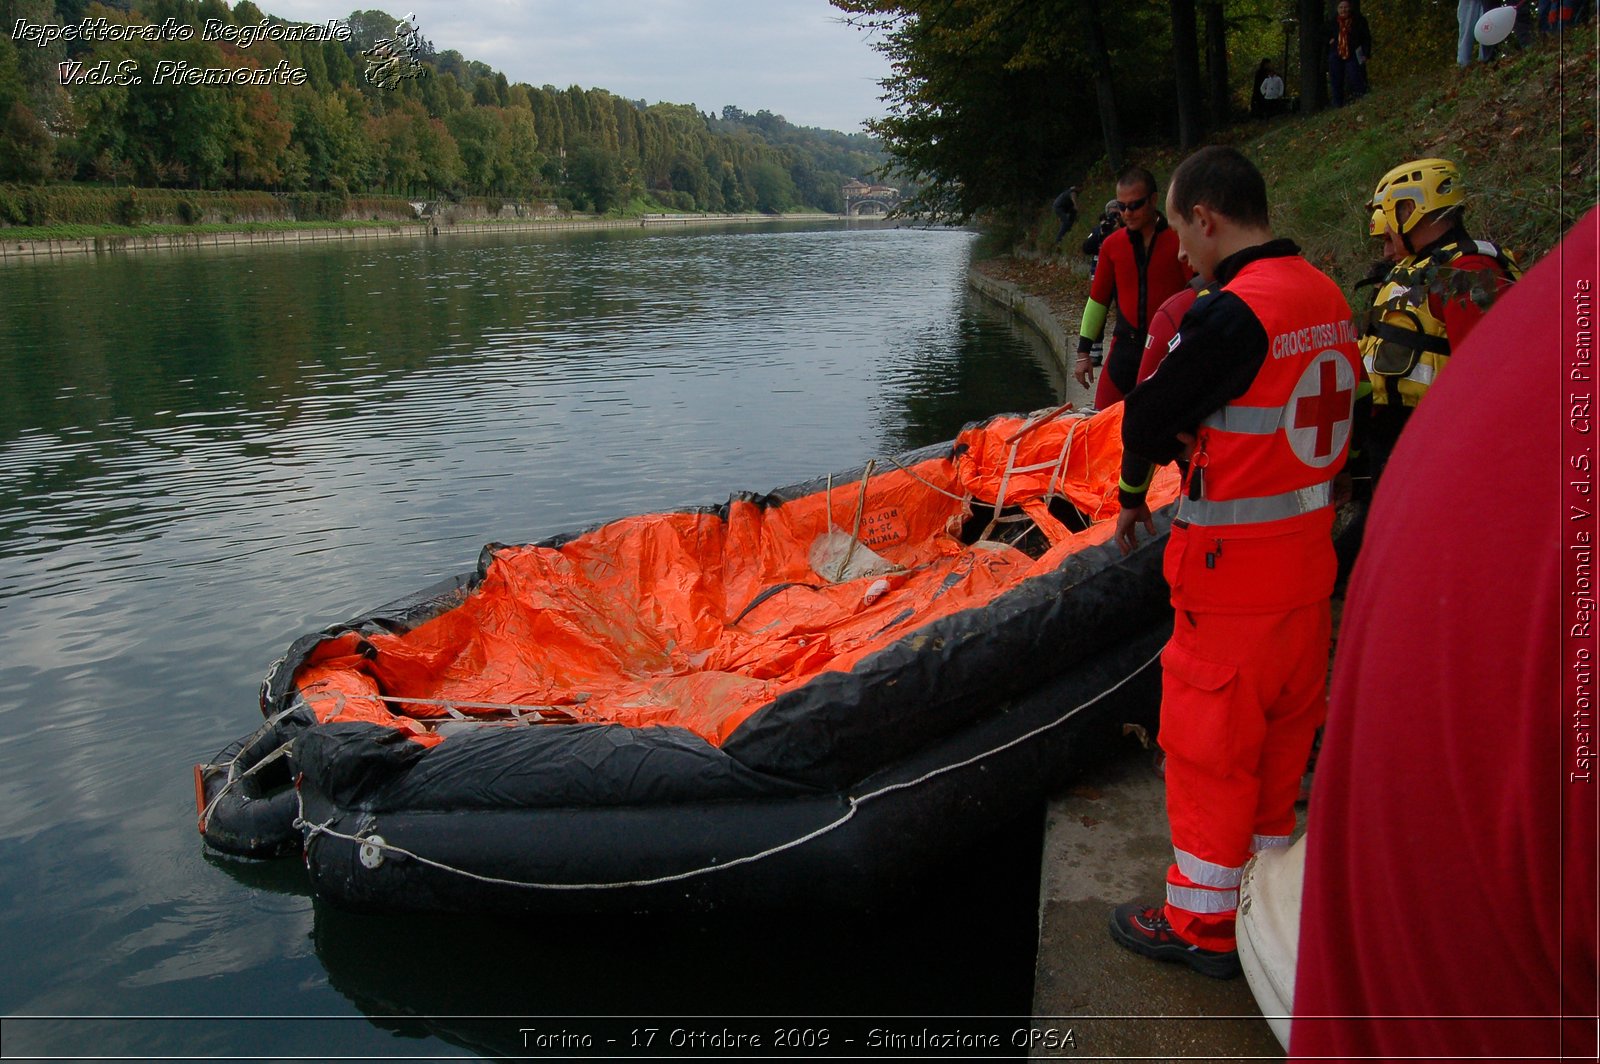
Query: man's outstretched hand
x,y
1127,535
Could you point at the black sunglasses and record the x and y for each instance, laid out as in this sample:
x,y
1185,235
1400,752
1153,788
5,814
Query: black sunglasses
x,y
1135,205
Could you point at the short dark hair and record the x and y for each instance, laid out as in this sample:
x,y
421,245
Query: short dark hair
x,y
1224,180
1138,174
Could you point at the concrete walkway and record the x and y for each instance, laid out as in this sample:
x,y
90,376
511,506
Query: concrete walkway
x,y
1106,843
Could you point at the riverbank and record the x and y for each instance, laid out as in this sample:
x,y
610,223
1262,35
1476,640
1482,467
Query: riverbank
x,y
1047,293
12,250
1106,839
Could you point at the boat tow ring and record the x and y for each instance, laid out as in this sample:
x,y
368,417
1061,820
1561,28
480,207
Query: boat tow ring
x,y
372,851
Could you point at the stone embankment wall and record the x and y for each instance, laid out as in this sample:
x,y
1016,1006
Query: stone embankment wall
x,y
1033,309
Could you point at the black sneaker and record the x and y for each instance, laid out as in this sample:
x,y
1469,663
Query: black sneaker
x,y
1145,930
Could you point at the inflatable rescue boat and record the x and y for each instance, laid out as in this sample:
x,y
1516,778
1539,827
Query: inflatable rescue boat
x,y
799,697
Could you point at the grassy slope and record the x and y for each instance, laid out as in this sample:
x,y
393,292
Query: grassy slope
x,y
1523,131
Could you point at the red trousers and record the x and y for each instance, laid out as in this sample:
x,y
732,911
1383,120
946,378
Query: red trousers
x,y
1242,697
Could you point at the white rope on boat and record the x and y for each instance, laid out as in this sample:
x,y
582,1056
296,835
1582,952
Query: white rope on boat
x,y
930,485
855,533
377,843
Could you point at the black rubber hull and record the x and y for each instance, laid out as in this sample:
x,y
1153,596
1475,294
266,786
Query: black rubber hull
x,y
906,818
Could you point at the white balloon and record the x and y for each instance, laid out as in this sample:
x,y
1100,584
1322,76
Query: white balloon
x,y
1495,26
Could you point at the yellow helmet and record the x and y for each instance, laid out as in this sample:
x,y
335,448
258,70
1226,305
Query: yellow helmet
x,y
1375,227
1428,184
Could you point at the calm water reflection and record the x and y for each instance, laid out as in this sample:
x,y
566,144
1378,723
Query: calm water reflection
x,y
204,454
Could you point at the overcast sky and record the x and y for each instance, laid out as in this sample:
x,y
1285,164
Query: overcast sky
x,y
791,57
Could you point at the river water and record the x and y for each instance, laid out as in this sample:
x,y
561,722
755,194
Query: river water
x,y
204,454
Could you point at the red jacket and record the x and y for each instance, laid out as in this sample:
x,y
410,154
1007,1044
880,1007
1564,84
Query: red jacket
x,y
1264,374
1138,284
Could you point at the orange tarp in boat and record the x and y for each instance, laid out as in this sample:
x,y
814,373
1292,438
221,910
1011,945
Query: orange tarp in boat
x,y
699,618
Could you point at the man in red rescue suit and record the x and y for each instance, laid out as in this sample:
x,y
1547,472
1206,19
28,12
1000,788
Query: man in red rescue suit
x,y
1256,393
1139,269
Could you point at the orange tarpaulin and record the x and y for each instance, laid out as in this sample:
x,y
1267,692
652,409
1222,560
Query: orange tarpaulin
x,y
700,619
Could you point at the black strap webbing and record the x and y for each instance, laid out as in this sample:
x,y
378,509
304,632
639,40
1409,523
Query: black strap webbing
x,y
1438,345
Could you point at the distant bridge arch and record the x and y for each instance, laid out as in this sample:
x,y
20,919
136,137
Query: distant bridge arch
x,y
869,206
862,198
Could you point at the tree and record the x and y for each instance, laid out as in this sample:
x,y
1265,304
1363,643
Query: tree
x,y
595,177
1313,56
1105,87
1186,63
26,150
398,157
520,159
369,27
176,133
1218,93
478,134
333,140
441,160
987,98
688,174
341,71
774,189
213,9
36,67
258,138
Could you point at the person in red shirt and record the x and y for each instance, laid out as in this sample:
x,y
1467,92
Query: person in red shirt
x,y
1255,395
1138,269
1137,472
1451,892
1164,327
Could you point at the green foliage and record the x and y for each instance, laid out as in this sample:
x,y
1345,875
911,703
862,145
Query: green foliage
x,y
13,210
774,188
26,151
993,102
463,129
95,205
319,206
594,175
129,211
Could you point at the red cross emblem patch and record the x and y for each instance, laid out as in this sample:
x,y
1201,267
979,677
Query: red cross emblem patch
x,y
1317,419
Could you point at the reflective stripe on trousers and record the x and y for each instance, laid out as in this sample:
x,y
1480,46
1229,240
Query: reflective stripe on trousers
x,y
1205,873
1200,900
